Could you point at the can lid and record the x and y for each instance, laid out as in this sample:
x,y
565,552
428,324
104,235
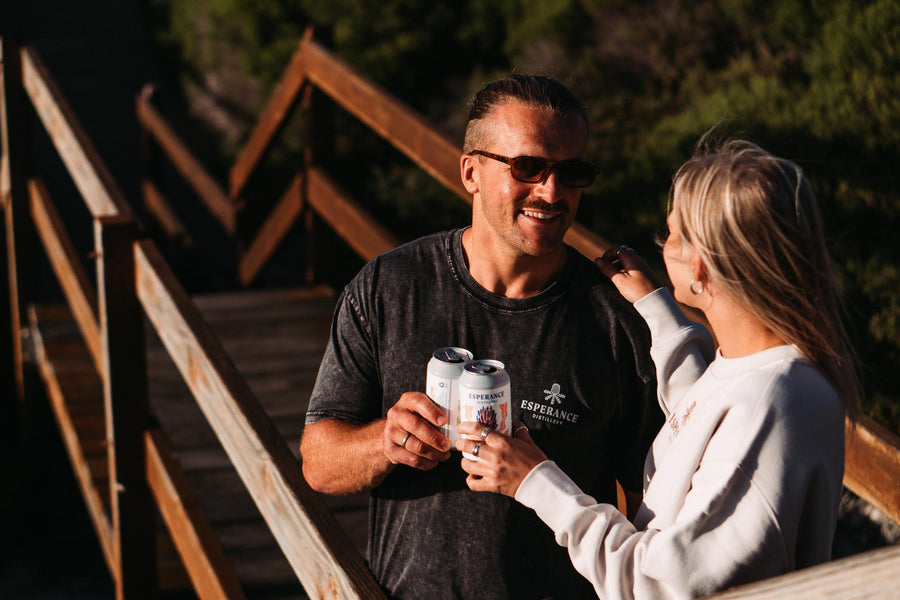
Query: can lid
x,y
449,355
481,367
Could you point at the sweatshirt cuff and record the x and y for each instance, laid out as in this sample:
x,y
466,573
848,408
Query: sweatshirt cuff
x,y
545,489
661,312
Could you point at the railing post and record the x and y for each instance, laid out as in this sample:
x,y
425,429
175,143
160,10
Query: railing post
x,y
319,150
125,407
19,234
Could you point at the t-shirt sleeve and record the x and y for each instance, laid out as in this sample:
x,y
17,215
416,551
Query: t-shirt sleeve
x,y
640,417
347,386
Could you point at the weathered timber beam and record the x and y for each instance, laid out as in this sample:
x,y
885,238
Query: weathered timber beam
x,y
160,210
872,466
283,99
314,544
125,406
5,183
201,554
388,117
84,474
350,220
4,175
585,241
98,190
70,274
277,224
212,195
871,575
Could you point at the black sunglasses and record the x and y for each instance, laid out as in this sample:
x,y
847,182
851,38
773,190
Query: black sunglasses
x,y
533,169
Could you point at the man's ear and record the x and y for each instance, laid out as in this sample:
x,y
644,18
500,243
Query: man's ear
x,y
468,173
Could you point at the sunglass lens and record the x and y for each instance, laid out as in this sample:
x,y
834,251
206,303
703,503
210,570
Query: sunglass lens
x,y
529,169
576,173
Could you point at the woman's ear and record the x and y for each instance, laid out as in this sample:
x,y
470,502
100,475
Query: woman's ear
x,y
468,173
699,272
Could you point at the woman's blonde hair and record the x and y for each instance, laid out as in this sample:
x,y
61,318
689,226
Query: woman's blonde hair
x,y
754,220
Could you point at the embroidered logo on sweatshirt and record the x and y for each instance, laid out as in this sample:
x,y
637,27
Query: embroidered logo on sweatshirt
x,y
548,410
675,424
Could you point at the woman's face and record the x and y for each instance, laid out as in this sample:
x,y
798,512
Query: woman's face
x,y
677,256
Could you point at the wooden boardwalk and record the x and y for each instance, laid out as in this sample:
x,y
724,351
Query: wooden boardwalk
x,y
276,339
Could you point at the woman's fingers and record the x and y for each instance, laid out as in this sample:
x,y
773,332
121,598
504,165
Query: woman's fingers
x,y
627,271
503,462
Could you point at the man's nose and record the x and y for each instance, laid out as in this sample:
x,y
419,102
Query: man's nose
x,y
550,189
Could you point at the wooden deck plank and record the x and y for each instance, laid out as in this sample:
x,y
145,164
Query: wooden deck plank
x,y
276,339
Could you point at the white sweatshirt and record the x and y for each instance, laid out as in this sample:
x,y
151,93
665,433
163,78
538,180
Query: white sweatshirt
x,y
742,482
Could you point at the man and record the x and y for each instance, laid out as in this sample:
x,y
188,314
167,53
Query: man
x,y
506,288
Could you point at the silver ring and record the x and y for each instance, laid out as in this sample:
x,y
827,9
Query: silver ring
x,y
476,449
518,429
620,249
486,432
405,438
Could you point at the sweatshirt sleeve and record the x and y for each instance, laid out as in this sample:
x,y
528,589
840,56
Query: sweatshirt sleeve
x,y
603,545
699,554
681,349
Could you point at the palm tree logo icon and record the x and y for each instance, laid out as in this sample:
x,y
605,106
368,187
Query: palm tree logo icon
x,y
553,394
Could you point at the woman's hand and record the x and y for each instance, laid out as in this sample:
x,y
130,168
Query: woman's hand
x,y
628,272
503,461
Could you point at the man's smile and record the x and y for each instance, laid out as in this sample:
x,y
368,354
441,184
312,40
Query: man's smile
x,y
544,211
539,214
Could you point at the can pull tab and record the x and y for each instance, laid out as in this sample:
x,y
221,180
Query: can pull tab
x,y
484,369
451,356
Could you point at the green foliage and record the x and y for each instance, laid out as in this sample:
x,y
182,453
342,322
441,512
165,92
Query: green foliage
x,y
817,81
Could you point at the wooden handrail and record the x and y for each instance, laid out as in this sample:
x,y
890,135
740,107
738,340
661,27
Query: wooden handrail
x,y
872,466
73,280
273,230
210,572
314,544
210,192
83,475
346,217
97,187
385,115
870,575
283,99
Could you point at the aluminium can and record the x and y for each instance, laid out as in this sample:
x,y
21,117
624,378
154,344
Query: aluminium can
x,y
442,385
484,396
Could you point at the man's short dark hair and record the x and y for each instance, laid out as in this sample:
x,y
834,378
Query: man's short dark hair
x,y
535,90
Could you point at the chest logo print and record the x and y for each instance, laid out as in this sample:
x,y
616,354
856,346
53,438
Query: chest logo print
x,y
553,394
547,410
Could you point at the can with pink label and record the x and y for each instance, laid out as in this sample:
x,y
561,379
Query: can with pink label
x,y
484,396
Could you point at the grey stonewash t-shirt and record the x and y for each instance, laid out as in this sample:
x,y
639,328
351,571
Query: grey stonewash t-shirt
x,y
581,379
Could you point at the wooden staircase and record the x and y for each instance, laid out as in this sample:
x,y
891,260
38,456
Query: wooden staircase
x,y
181,416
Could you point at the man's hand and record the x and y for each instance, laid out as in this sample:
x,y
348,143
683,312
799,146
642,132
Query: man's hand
x,y
340,457
411,436
628,272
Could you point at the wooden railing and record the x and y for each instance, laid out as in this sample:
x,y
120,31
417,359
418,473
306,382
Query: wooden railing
x,y
134,282
139,456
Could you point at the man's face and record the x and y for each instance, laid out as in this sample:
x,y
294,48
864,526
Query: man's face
x,y
524,218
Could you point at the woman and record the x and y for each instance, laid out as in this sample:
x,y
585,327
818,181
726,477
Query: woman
x,y
744,479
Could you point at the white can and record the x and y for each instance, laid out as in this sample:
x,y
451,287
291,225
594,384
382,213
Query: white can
x,y
442,385
484,396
